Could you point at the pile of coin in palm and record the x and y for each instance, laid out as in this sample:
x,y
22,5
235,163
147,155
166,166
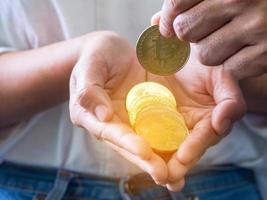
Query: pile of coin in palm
x,y
151,106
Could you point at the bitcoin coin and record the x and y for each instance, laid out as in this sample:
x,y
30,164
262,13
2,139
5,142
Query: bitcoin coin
x,y
162,128
153,115
160,55
145,94
148,89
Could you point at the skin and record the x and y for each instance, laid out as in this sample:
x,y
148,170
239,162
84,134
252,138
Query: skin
x,y
255,87
212,26
209,99
35,80
98,78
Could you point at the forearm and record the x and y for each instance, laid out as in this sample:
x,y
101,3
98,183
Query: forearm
x,y
255,93
34,80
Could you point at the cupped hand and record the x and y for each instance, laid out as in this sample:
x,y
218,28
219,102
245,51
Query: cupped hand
x,y
232,33
106,70
210,101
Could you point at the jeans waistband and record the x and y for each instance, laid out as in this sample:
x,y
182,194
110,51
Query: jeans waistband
x,y
83,185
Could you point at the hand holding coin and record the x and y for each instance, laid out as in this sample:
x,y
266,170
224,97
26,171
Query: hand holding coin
x,y
228,33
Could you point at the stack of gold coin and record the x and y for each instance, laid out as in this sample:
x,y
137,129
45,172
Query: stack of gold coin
x,y
153,115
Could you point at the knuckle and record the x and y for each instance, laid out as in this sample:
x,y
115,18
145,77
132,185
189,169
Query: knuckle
x,y
203,54
235,67
206,54
182,27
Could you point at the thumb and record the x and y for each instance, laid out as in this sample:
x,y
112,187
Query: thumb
x,y
90,93
155,19
95,100
230,106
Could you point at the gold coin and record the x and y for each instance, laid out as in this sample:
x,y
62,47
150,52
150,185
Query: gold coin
x,y
163,129
160,55
147,102
145,94
152,113
148,89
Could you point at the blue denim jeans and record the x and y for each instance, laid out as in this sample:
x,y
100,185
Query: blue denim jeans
x,y
29,183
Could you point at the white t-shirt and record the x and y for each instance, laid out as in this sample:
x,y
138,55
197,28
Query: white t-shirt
x,y
49,138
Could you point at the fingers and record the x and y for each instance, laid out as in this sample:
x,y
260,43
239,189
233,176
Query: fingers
x,y
176,186
155,19
222,44
230,105
212,24
87,87
177,170
197,142
116,133
94,99
192,20
123,137
154,166
201,20
204,18
249,61
170,9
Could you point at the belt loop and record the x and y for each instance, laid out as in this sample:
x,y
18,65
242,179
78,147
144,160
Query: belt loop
x,y
122,188
60,186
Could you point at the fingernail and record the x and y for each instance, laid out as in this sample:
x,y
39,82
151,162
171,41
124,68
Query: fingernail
x,y
101,112
225,126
